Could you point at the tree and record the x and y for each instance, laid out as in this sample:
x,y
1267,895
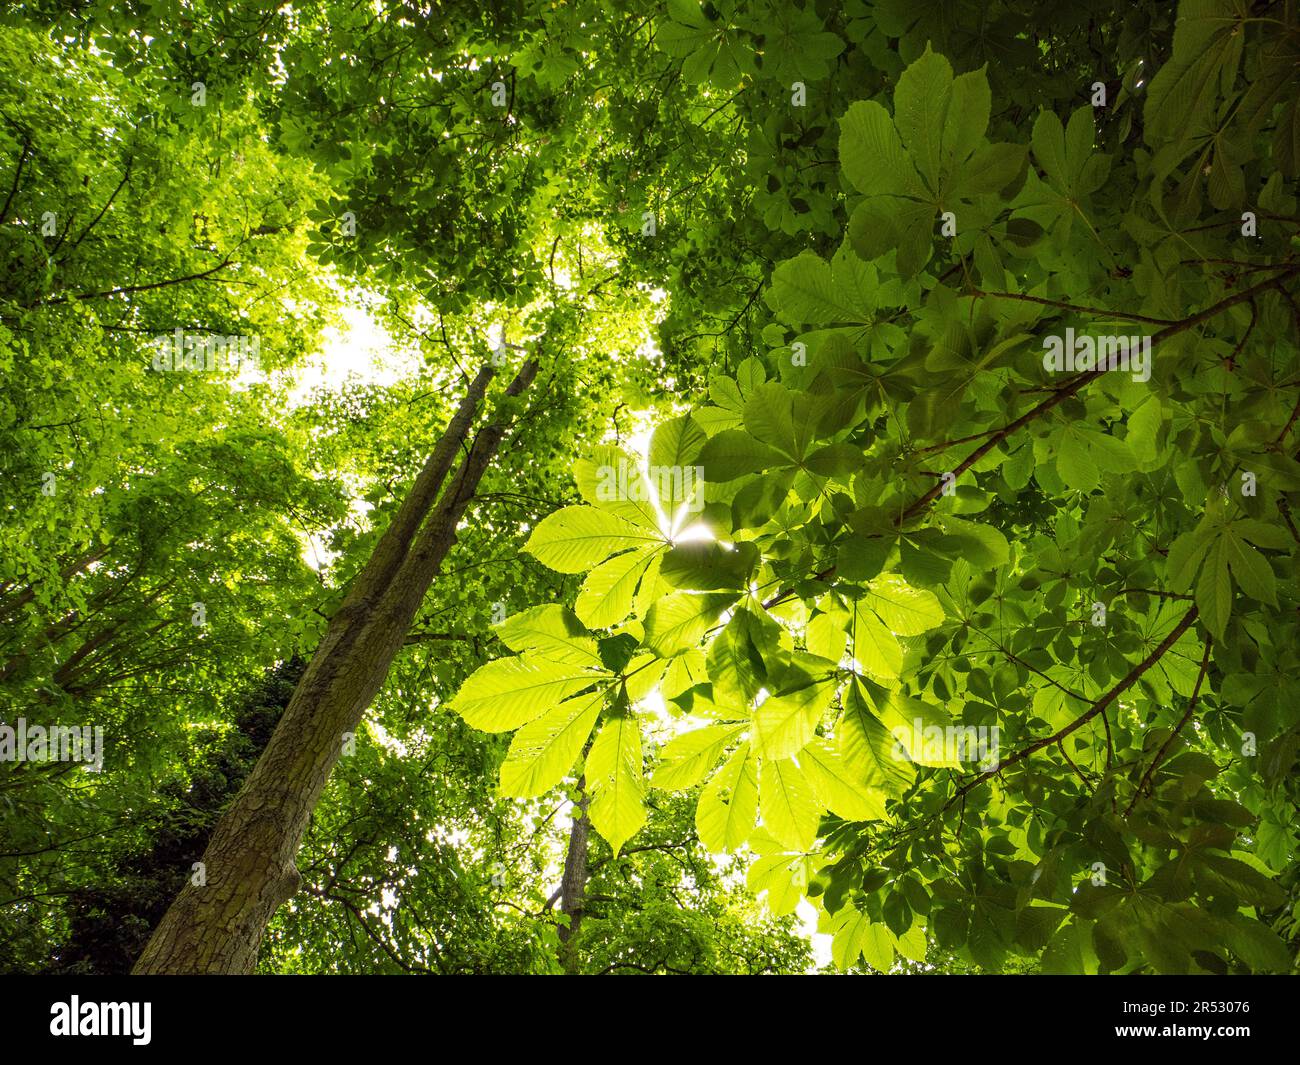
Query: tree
x,y
218,926
111,923
855,635
870,586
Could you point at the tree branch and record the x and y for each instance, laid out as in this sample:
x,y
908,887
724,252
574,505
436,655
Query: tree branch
x,y
1097,708
1187,714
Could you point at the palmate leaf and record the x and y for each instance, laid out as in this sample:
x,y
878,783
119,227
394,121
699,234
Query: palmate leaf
x,y
797,45
929,158
712,50
678,621
1207,49
806,290
552,632
545,749
778,874
608,594
1214,555
1067,155
575,539
869,749
616,781
689,758
838,785
510,692
728,805
786,803
1074,171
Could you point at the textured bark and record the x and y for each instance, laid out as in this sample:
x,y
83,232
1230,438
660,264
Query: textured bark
x,y
573,887
218,928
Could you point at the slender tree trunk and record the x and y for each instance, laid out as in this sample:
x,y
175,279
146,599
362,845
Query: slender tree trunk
x,y
249,861
573,888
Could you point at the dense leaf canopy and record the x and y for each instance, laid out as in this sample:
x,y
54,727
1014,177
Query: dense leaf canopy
x,y
896,543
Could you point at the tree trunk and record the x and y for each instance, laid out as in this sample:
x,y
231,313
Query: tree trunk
x,y
573,888
249,861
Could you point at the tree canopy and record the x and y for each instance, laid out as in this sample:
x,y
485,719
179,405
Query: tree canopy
x,y
826,500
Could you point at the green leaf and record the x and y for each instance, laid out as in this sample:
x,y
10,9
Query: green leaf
x,y
708,565
674,453
614,481
989,171
1218,874
689,758
869,749
1185,556
806,290
778,873
874,647
608,593
510,692
545,749
676,442
923,729
906,610
787,805
825,635
785,722
856,936
735,660
734,453
834,460
779,418
678,621
1074,462
1262,534
552,632
1214,590
967,117
920,108
1250,568
981,545
872,154
575,539
838,785
728,803
614,776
